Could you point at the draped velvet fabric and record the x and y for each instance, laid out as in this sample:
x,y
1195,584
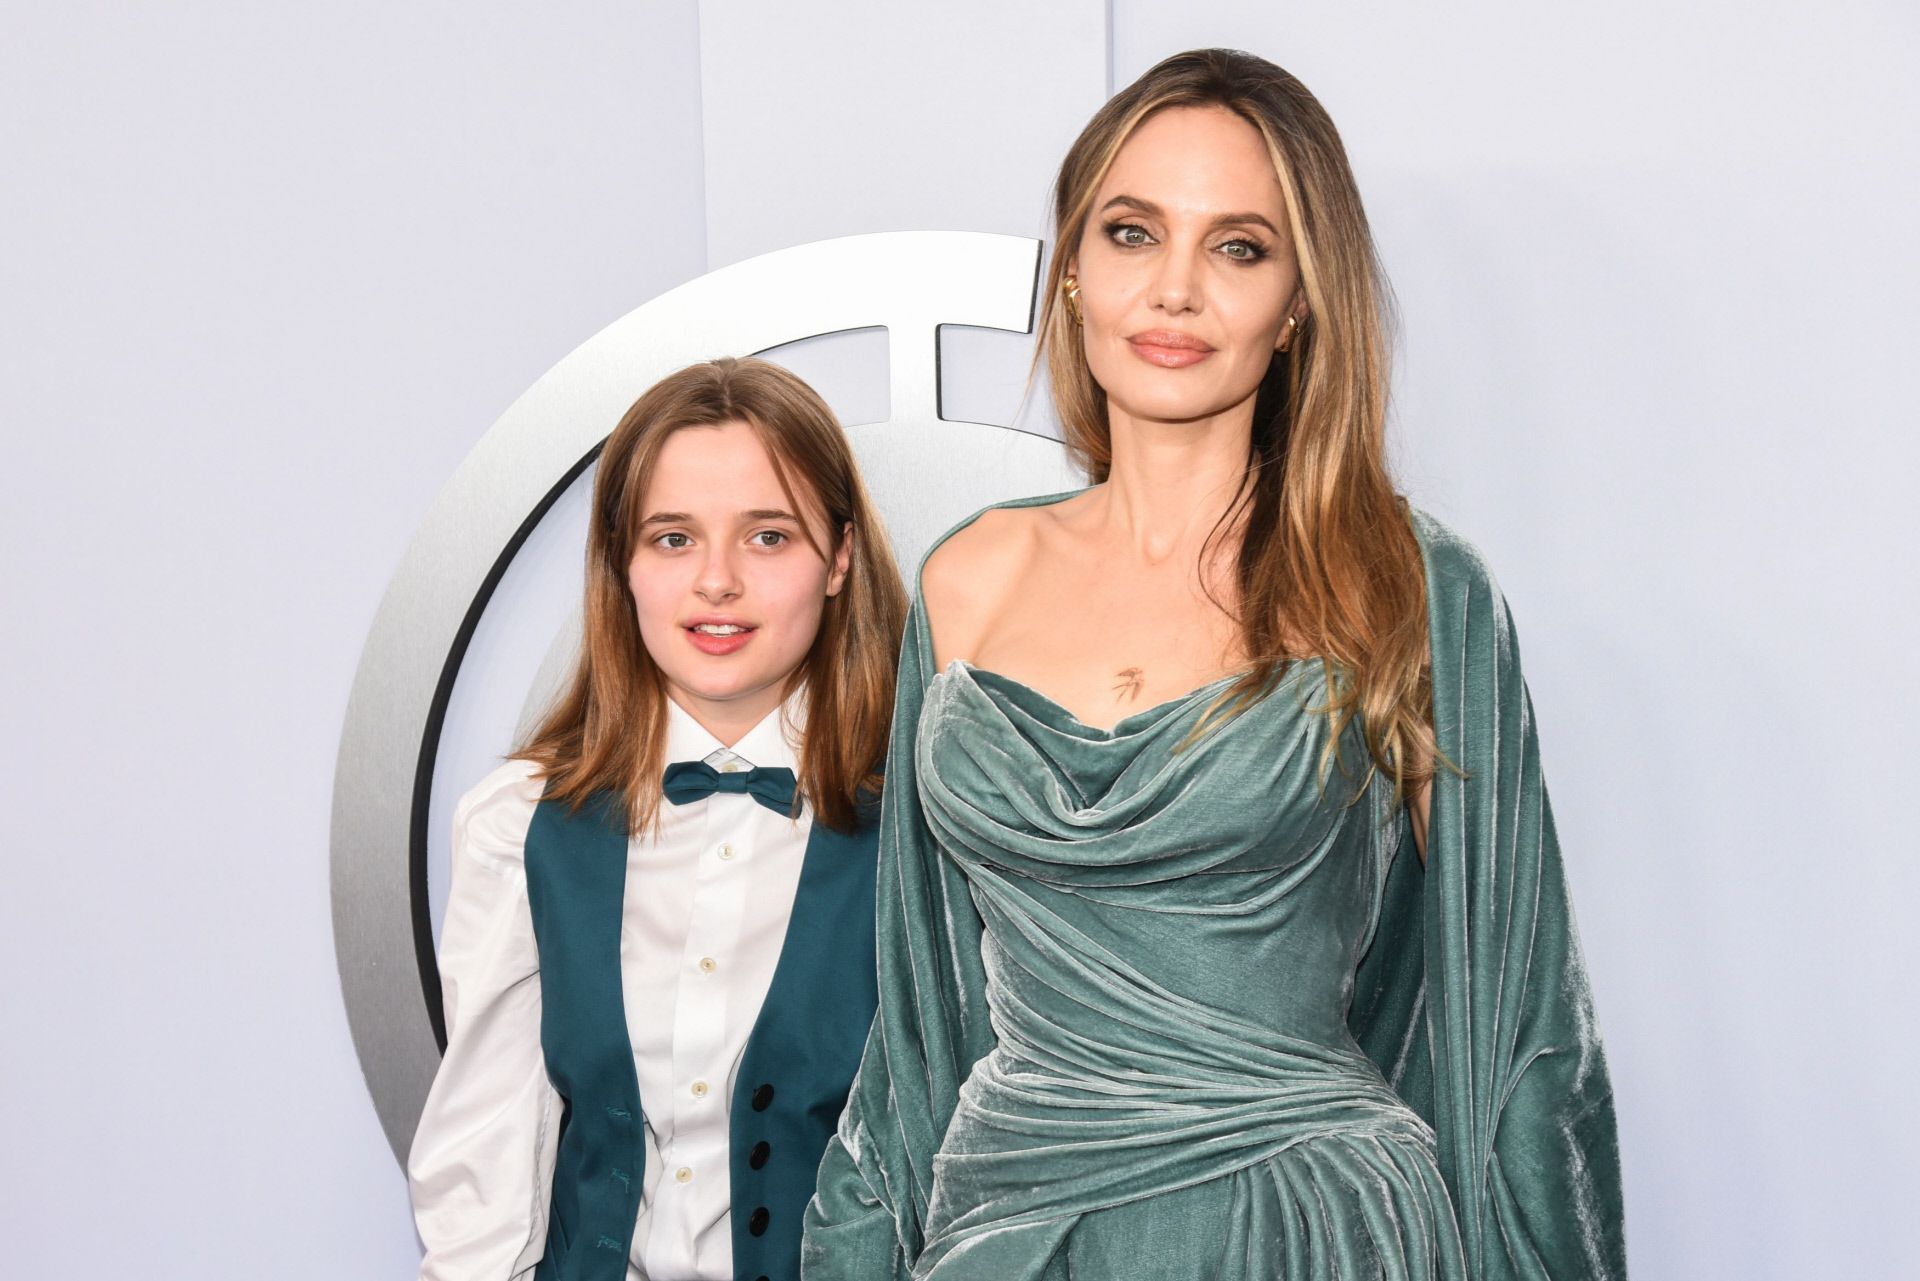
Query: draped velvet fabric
x,y
1157,1010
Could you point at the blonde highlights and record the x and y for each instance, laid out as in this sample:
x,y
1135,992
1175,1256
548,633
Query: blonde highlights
x,y
1327,563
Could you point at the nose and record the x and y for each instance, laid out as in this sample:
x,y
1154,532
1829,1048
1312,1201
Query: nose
x,y
1175,287
719,576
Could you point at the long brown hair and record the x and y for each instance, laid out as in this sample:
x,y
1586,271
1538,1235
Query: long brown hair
x,y
1327,558
607,731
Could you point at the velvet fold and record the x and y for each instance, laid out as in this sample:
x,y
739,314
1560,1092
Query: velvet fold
x,y
1202,1000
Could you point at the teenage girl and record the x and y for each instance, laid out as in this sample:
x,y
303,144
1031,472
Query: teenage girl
x,y
658,951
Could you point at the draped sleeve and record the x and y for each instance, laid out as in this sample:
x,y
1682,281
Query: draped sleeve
x,y
865,1220
1474,999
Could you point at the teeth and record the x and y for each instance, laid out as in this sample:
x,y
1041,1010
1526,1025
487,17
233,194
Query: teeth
x,y
718,629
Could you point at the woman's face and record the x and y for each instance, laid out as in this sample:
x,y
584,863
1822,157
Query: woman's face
x,y
729,594
1186,269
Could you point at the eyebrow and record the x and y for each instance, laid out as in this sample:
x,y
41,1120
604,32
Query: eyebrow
x,y
682,518
1148,207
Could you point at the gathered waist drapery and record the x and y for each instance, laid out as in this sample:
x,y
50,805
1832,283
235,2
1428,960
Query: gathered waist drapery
x,y
1105,1088
1167,938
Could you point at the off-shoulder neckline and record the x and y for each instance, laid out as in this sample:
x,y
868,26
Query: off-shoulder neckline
x,y
924,630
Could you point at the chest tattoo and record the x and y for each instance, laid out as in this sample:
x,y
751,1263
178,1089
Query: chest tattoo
x,y
1129,683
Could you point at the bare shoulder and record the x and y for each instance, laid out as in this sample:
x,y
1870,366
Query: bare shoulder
x,y
967,578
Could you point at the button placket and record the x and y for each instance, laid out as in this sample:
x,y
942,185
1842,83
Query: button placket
x,y
721,925
660,890
699,1037
703,1007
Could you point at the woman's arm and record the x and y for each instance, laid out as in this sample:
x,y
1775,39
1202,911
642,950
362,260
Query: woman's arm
x,y
865,1221
482,1159
1524,1106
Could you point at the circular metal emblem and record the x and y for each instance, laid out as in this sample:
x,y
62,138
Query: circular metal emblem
x,y
926,474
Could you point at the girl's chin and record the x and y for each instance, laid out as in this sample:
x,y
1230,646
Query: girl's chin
x,y
734,688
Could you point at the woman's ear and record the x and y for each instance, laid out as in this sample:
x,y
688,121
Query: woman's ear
x,y
1297,309
842,560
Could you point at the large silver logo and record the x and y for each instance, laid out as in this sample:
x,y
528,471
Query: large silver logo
x,y
926,473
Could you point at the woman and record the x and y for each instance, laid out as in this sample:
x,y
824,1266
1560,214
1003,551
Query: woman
x,y
658,948
1178,977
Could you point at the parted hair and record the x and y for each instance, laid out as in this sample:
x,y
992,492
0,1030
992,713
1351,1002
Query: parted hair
x,y
1327,562
607,730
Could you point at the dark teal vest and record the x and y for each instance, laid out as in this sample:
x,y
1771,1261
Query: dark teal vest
x,y
794,1077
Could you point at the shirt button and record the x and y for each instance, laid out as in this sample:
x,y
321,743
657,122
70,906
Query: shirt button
x,y
699,1089
726,851
683,1174
708,965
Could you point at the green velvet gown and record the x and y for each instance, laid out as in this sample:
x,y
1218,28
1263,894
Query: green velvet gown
x,y
1164,1012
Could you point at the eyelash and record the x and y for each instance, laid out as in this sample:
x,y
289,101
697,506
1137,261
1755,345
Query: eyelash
x,y
1258,251
661,539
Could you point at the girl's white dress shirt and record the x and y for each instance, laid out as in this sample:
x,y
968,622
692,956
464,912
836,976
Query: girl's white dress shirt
x,y
706,908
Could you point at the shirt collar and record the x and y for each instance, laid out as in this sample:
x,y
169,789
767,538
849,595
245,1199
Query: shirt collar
x,y
768,744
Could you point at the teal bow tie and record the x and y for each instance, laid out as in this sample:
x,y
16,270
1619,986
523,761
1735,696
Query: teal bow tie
x,y
691,780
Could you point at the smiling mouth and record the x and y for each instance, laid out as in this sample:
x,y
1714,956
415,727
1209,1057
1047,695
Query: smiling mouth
x,y
718,640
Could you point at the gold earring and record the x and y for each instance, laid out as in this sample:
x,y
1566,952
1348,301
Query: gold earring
x,y
1071,288
1293,329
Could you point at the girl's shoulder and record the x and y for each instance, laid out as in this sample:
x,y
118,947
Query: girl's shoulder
x,y
491,819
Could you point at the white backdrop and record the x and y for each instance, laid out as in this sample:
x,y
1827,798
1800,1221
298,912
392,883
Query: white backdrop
x,y
266,276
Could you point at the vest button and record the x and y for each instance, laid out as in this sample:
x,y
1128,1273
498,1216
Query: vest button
x,y
762,1096
758,1223
758,1157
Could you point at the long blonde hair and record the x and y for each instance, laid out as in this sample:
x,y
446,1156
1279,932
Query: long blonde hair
x,y
608,730
1326,543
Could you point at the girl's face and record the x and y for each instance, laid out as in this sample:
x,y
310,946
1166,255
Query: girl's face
x,y
1186,268
729,594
